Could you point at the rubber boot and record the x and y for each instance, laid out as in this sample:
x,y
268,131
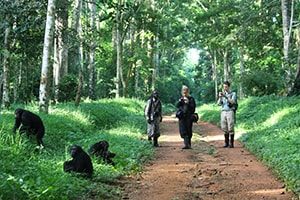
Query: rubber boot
x,y
155,142
226,135
190,142
186,143
231,145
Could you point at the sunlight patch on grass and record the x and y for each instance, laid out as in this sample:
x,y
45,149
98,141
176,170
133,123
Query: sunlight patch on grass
x,y
276,117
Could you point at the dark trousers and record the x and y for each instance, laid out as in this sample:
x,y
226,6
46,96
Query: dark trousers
x,y
186,127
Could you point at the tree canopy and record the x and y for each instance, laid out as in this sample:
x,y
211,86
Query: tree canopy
x,y
126,48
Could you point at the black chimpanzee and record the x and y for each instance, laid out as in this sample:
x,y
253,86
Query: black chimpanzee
x,y
100,149
80,163
30,124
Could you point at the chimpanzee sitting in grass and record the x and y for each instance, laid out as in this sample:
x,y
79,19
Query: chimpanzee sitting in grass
x,y
100,149
29,123
81,162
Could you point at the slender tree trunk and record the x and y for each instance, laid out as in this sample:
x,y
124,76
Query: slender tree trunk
x,y
242,72
225,63
215,73
5,95
43,96
136,67
60,64
118,49
91,66
132,60
64,53
79,59
287,9
296,84
18,84
56,67
154,60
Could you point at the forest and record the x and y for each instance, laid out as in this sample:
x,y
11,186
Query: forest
x,y
87,66
97,49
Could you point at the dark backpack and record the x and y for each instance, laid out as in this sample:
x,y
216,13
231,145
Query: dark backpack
x,y
195,117
234,107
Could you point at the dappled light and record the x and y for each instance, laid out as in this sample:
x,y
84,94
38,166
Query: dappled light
x,y
277,117
269,192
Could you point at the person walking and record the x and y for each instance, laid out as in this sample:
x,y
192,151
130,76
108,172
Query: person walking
x,y
228,102
153,114
186,108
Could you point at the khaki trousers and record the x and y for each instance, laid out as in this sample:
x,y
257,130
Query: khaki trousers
x,y
227,122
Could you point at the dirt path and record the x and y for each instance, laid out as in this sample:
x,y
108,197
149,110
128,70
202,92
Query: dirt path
x,y
206,172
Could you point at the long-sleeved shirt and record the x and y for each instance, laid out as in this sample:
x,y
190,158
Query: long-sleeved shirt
x,y
188,107
224,103
153,109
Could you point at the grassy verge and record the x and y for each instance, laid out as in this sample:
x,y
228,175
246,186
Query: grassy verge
x,y
27,174
272,127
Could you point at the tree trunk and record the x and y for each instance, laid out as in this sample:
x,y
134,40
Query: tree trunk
x,y
77,26
296,84
287,9
136,68
60,65
5,95
154,60
118,49
215,73
43,96
225,63
18,84
242,72
91,66
132,60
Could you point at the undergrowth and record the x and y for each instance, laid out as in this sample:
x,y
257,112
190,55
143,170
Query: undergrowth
x,y
29,174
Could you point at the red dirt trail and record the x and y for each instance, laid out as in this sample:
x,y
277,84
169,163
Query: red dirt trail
x,y
206,172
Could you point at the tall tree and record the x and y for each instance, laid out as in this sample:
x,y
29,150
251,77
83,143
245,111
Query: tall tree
x,y
287,9
76,24
242,71
5,96
60,64
226,66
91,65
48,40
118,46
296,84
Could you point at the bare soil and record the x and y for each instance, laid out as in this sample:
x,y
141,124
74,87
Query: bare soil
x,y
206,172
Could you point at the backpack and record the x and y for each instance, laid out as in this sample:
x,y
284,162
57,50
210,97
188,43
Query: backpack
x,y
235,106
195,117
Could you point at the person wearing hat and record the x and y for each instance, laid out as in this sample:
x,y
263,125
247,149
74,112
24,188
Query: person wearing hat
x,y
153,114
186,108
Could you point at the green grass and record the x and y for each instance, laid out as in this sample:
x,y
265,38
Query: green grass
x,y
272,126
168,108
29,174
